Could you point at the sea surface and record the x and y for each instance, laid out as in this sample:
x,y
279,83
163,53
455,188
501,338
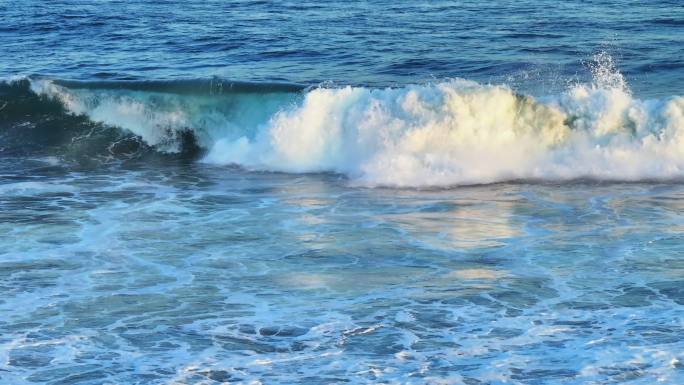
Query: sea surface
x,y
362,192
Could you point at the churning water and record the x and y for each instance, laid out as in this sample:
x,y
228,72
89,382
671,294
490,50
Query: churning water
x,y
253,192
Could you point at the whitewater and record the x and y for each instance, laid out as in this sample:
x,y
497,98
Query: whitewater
x,y
446,133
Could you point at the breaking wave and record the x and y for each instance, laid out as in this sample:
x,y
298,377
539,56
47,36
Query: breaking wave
x,y
448,133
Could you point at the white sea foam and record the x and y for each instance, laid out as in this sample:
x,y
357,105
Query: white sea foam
x,y
448,133
34,187
460,132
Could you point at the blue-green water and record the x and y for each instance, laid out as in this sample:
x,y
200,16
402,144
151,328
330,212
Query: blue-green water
x,y
252,192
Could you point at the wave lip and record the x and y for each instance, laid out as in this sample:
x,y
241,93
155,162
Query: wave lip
x,y
449,133
162,113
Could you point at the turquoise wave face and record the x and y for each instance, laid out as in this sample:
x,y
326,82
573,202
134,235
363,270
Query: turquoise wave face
x,y
101,121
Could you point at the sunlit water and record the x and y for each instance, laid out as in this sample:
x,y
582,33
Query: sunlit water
x,y
196,274
170,216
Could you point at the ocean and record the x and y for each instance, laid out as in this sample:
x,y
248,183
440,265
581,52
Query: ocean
x,y
363,192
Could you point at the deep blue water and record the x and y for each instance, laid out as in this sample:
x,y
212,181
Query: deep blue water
x,y
538,43
256,192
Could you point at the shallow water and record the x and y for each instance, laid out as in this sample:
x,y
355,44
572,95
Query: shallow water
x,y
197,274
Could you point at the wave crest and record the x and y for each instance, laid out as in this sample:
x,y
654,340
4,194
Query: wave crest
x,y
460,132
450,133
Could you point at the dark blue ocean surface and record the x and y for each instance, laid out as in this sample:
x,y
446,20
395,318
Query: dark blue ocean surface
x,y
257,192
537,43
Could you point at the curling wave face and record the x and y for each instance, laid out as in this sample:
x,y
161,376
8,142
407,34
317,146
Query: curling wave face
x,y
448,133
